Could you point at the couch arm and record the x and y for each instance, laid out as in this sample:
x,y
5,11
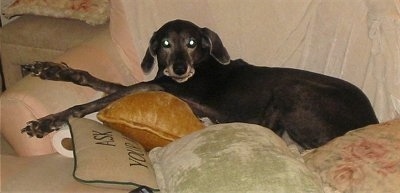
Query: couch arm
x,y
32,98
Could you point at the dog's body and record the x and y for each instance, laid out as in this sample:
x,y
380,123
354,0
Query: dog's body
x,y
194,66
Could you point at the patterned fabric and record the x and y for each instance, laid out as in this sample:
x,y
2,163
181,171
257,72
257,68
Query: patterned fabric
x,y
365,160
91,11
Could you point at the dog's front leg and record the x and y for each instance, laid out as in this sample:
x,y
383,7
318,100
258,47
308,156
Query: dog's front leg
x,y
43,126
62,72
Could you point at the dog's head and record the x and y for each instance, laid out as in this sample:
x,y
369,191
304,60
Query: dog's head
x,y
179,46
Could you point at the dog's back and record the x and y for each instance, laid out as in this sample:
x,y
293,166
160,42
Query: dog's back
x,y
312,108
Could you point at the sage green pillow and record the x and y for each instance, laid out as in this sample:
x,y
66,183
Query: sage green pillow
x,y
235,157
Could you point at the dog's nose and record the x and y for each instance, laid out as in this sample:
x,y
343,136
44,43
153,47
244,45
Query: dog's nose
x,y
180,69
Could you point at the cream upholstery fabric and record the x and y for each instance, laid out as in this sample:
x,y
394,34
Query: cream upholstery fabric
x,y
43,39
32,98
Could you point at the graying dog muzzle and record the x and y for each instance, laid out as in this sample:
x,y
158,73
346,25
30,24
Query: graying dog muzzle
x,y
180,75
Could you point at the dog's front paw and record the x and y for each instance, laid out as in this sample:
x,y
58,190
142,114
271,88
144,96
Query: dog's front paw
x,y
43,126
46,70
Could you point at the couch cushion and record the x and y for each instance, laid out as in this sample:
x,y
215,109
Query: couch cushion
x,y
43,39
47,33
44,174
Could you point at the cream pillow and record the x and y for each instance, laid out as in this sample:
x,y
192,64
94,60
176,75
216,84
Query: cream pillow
x,y
106,158
234,157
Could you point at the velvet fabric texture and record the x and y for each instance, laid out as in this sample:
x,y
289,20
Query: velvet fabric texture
x,y
152,118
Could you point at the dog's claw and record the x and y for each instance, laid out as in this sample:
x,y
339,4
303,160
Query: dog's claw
x,y
42,127
32,129
27,67
31,68
45,70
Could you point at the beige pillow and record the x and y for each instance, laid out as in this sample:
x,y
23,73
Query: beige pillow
x,y
91,11
153,119
364,160
235,157
106,158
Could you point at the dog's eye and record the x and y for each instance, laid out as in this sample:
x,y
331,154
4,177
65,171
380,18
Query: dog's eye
x,y
192,43
165,43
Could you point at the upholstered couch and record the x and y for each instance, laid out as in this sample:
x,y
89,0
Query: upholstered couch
x,y
354,40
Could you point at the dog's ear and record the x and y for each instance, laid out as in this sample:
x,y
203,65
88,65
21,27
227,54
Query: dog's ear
x,y
148,61
217,49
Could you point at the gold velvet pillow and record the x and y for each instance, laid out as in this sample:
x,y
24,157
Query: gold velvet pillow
x,y
153,119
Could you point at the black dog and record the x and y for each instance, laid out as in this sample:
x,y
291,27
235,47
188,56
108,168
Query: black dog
x,y
195,66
